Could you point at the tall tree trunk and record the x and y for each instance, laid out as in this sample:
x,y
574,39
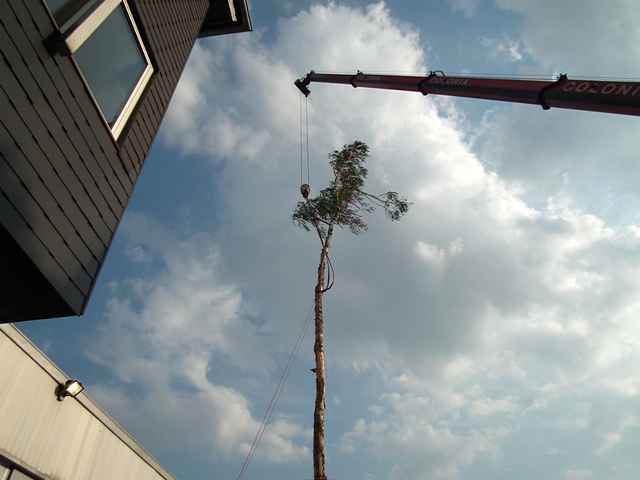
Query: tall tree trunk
x,y
318,348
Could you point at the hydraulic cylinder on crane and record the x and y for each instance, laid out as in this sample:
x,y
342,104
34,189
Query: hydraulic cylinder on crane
x,y
578,94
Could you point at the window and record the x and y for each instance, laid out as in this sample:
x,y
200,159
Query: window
x,y
9,473
102,37
17,475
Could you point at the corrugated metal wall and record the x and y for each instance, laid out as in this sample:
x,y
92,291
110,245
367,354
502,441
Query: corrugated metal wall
x,y
64,181
68,440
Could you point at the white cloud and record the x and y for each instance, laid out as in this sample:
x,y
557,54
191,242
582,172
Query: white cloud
x,y
437,256
488,406
137,254
467,7
424,440
512,49
612,439
591,156
166,336
580,474
489,313
564,35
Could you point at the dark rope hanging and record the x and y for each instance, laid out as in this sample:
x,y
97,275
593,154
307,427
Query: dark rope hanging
x,y
331,275
305,188
300,141
306,99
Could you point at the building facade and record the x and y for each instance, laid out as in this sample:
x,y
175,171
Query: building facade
x,y
84,85
44,438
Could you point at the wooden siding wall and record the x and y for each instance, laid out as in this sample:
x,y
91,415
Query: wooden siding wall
x,y
64,181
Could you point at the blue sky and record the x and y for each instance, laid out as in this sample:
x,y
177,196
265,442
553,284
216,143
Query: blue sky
x,y
490,335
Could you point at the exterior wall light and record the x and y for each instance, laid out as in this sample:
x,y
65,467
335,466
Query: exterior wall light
x,y
71,388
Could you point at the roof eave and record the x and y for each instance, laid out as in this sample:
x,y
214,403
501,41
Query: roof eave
x,y
214,25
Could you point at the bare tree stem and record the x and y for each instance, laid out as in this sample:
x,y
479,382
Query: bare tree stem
x,y
319,455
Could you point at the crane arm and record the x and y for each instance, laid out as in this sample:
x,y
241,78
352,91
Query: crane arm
x,y
592,95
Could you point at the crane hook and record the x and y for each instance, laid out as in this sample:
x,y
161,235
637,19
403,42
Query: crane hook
x,y
305,190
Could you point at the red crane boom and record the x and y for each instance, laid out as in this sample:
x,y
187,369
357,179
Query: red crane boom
x,y
593,95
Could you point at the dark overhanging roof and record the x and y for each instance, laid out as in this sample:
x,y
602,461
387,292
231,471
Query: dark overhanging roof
x,y
226,16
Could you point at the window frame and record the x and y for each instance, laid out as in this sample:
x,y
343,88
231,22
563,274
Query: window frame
x,y
81,31
12,466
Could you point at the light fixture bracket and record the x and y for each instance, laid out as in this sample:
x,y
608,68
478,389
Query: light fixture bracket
x,y
70,388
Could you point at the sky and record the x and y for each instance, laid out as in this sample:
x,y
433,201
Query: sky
x,y
491,334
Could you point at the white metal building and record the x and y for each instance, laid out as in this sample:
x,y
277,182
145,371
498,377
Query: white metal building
x,y
44,438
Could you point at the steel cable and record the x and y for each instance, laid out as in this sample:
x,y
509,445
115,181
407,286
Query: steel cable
x,y
276,395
